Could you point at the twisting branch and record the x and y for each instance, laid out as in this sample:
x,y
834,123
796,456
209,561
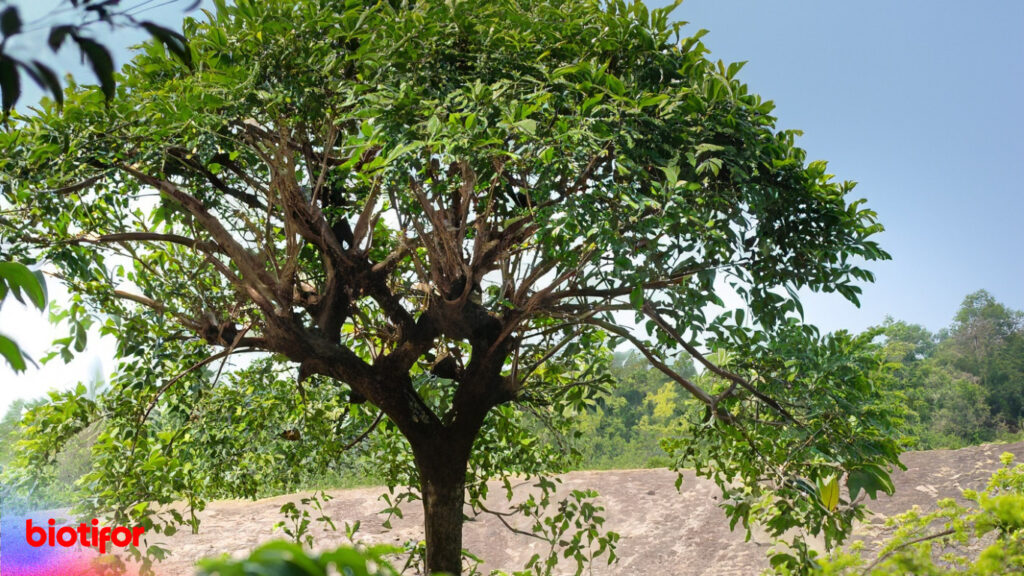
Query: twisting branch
x,y
690,387
479,506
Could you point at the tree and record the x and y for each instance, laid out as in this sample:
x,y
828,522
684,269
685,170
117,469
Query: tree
x,y
964,386
907,343
447,214
985,341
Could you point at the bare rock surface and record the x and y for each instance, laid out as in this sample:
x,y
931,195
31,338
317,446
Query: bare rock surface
x,y
664,531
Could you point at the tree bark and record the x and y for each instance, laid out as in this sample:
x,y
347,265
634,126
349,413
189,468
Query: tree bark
x,y
443,485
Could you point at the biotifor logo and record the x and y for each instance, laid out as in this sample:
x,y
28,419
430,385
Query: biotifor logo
x,y
88,536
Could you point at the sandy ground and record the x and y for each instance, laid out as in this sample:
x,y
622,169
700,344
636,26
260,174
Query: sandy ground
x,y
664,531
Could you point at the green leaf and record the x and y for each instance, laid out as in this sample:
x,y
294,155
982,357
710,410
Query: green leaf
x,y
615,85
712,164
870,479
19,278
652,100
173,41
101,62
636,297
783,560
10,84
57,36
590,102
48,80
671,175
41,280
10,351
828,493
10,21
528,125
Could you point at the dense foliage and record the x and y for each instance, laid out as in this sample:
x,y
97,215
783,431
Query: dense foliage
x,y
421,227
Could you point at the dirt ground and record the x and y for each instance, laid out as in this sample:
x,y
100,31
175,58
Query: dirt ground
x,y
664,532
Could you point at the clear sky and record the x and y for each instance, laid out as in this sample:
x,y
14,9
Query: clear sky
x,y
919,101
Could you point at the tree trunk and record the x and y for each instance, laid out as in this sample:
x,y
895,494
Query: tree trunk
x,y
443,499
442,480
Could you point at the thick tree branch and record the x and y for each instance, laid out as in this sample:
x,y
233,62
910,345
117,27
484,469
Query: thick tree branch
x,y
258,281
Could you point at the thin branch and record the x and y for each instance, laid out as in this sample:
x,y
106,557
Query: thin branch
x,y
730,376
248,199
924,538
179,376
234,344
361,437
501,518
548,354
690,387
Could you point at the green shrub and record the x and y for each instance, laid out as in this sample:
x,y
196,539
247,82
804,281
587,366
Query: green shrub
x,y
290,558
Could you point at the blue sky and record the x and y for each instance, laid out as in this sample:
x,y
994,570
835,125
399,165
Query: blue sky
x,y
920,102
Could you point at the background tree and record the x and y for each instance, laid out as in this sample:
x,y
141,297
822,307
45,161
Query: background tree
x,y
432,218
986,341
964,385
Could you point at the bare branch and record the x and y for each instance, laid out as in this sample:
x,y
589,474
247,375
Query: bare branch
x,y
924,538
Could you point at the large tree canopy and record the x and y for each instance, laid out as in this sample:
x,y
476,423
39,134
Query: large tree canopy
x,y
447,212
